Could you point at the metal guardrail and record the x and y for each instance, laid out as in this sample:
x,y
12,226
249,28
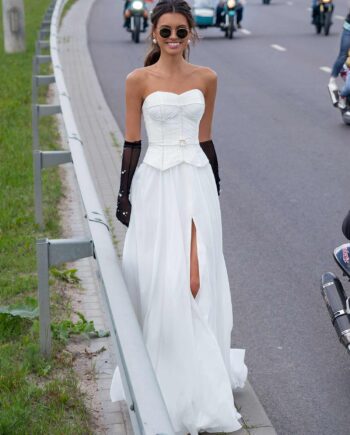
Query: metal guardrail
x,y
146,406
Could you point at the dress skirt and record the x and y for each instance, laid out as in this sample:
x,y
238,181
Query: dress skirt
x,y
188,339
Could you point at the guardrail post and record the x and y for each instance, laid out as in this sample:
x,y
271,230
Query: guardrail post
x,y
42,250
52,253
39,59
39,110
48,15
35,127
41,160
39,44
38,189
45,23
43,33
39,80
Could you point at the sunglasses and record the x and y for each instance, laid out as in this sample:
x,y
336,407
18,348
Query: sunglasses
x,y
165,32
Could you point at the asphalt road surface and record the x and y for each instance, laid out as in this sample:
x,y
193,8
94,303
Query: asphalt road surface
x,y
284,162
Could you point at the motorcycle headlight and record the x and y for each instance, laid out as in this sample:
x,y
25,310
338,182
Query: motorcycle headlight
x,y
137,5
231,3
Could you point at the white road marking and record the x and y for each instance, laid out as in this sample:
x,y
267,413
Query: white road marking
x,y
339,17
290,3
278,47
309,9
326,69
245,31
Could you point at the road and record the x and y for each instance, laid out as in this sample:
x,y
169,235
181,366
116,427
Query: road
x,y
284,162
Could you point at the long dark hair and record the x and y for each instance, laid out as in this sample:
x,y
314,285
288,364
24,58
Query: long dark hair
x,y
165,7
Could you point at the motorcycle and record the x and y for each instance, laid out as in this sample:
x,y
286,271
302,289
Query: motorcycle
x,y
323,16
334,94
337,302
206,14
137,15
229,18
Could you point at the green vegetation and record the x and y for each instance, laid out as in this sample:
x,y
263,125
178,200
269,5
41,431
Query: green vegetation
x,y
37,396
67,275
66,328
66,8
17,229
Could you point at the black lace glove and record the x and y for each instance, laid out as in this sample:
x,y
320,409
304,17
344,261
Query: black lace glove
x,y
130,158
209,150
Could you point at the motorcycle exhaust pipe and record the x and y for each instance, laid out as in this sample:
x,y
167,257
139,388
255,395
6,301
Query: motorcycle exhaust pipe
x,y
338,306
334,93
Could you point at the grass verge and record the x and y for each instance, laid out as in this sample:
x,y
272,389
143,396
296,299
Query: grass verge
x,y
36,396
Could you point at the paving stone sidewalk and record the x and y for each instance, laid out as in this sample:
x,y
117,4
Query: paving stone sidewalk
x,y
101,135
103,141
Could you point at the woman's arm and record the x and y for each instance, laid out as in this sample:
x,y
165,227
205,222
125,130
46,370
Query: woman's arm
x,y
210,80
205,125
133,103
132,144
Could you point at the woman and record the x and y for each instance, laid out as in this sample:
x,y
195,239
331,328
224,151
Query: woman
x,y
173,262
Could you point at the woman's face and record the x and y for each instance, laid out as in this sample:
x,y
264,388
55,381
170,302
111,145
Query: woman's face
x,y
172,44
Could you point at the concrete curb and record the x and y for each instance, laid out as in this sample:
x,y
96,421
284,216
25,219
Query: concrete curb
x,y
103,141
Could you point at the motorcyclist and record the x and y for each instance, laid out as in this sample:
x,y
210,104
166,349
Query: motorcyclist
x,y
239,12
315,10
127,18
343,52
345,92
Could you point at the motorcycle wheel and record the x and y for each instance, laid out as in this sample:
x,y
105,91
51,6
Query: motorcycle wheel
x,y
327,23
346,116
231,27
137,29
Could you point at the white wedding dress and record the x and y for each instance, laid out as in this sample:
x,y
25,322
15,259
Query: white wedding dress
x,y
188,339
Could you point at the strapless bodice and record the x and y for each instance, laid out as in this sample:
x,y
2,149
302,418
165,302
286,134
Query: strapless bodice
x,y
172,125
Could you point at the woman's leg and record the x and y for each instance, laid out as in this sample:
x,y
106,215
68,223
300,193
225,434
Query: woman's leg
x,y
194,266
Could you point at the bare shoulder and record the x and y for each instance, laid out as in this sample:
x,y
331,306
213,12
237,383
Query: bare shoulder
x,y
206,74
135,83
136,76
141,73
140,78
207,77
